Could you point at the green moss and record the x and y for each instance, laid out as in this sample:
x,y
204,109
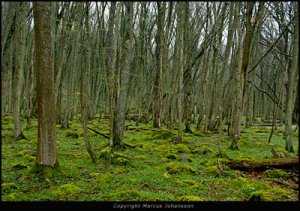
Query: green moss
x,y
189,198
104,178
71,134
94,174
171,156
7,127
34,141
45,171
163,148
212,171
166,134
238,182
282,150
260,196
201,150
18,166
122,161
186,182
22,153
246,187
7,186
29,158
120,155
120,170
67,190
128,195
277,173
174,168
181,148
11,197
7,118
104,154
140,157
24,141
274,194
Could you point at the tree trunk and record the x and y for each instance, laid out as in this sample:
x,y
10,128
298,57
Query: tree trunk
x,y
85,73
241,78
123,80
18,70
291,86
157,89
46,149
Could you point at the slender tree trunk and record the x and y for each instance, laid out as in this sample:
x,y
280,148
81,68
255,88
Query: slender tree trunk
x,y
157,89
241,90
85,73
123,80
18,70
289,107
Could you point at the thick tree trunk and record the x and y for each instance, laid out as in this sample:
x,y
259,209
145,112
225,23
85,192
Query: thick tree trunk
x,y
46,149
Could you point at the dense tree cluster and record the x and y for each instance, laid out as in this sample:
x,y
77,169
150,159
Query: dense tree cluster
x,y
172,63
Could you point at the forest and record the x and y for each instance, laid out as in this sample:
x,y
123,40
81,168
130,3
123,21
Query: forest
x,y
150,101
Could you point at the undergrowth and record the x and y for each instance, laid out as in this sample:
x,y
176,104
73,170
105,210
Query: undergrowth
x,y
155,168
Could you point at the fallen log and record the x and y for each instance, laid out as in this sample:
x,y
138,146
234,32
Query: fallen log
x,y
97,132
291,164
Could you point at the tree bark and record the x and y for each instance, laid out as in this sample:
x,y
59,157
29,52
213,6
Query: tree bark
x,y
46,149
157,89
282,163
19,67
292,74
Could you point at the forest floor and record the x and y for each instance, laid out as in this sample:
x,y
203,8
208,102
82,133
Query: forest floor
x,y
152,169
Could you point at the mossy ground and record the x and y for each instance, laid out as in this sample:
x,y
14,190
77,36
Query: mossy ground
x,y
152,171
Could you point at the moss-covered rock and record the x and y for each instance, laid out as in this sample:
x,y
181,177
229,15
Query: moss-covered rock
x,y
189,198
276,173
184,158
128,195
67,190
181,148
212,171
284,152
174,168
260,196
104,178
